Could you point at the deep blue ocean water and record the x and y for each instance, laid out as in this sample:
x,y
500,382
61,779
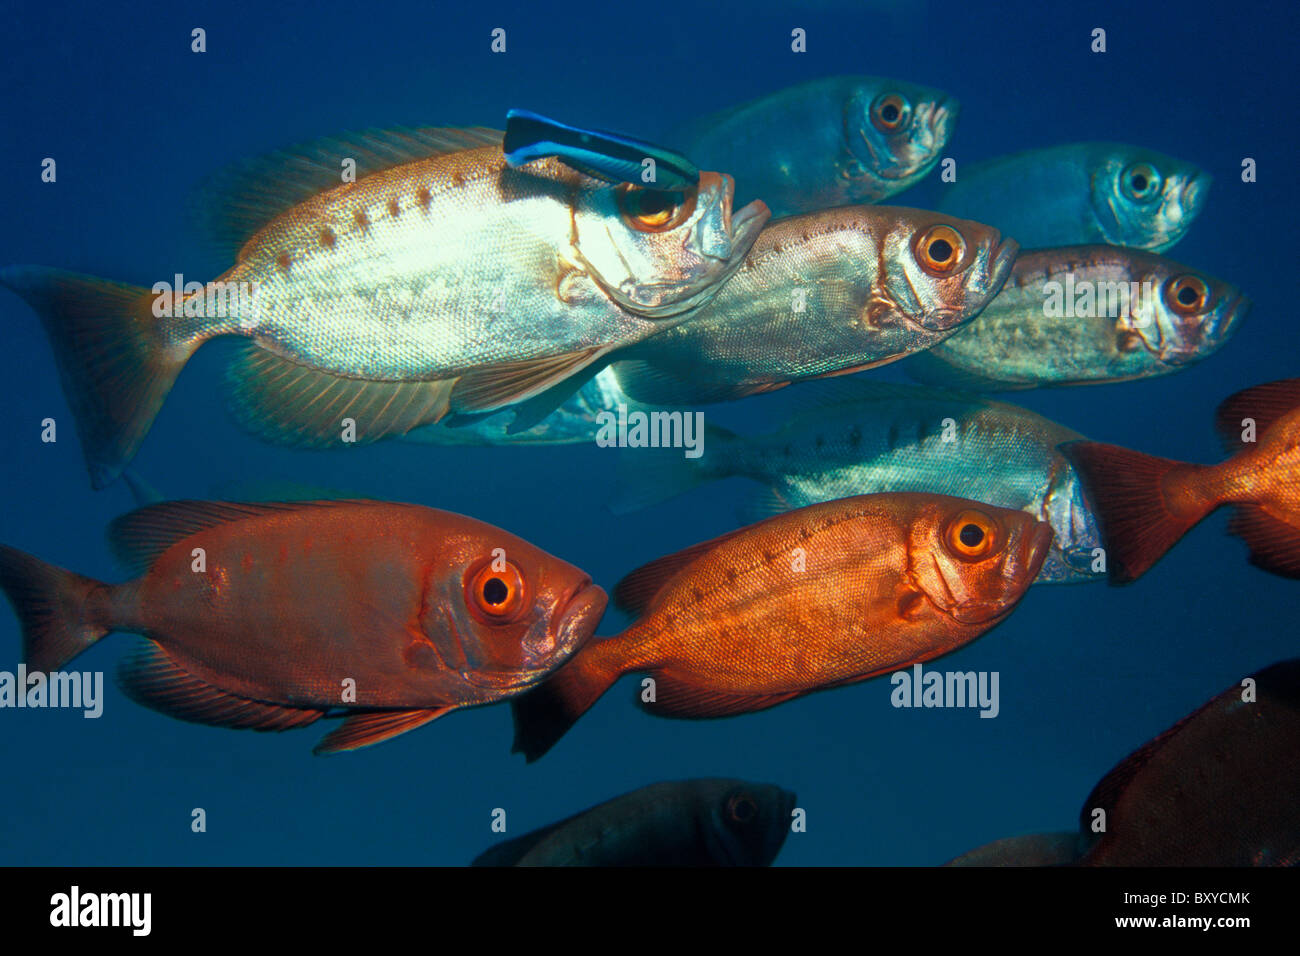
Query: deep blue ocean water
x,y
1088,673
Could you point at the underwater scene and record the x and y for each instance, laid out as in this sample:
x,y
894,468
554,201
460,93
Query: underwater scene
x,y
821,434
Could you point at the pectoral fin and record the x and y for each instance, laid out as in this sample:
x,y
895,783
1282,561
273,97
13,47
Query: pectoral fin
x,y
362,730
153,678
513,382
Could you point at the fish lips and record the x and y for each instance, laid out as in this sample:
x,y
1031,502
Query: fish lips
x,y
1019,570
578,621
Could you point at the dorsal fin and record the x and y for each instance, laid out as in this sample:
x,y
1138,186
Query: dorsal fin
x,y
637,588
139,537
1264,403
234,203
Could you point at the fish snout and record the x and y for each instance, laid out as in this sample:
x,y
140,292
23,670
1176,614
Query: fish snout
x,y
579,615
1001,262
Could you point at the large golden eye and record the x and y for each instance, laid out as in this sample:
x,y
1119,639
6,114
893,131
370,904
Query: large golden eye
x,y
972,535
890,113
496,594
652,210
1187,295
1141,182
940,249
742,809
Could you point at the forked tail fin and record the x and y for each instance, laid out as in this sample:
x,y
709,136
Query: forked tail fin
x,y
116,360
1127,491
53,608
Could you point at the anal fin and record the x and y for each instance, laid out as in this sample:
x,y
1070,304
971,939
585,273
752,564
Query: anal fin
x,y
291,404
678,698
152,678
362,730
1274,544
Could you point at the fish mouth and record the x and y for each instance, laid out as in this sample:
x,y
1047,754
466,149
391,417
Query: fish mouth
x,y
1192,197
583,608
1216,330
748,219
1034,549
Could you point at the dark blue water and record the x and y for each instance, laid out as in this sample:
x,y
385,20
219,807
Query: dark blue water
x,y
135,121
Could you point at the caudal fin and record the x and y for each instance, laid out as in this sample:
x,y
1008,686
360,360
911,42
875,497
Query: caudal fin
x,y
544,714
116,360
53,608
1127,492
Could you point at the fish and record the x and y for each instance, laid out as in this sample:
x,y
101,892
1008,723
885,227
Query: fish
x,y
599,154
823,596
574,422
1218,788
272,615
1035,849
834,141
1074,316
710,822
440,282
824,294
860,437
1083,193
1145,504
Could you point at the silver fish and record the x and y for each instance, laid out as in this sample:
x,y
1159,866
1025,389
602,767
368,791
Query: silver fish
x,y
441,280
829,142
1087,314
867,437
824,294
1083,193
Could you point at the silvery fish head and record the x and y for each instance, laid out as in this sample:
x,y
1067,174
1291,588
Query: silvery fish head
x,y
896,131
1180,316
1074,526
659,253
939,271
1144,199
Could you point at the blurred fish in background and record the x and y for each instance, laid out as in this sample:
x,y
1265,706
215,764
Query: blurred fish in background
x,y
711,822
1219,788
827,142
1082,193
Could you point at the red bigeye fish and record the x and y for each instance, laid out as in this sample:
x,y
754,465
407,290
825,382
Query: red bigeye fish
x,y
822,596
1145,504
270,616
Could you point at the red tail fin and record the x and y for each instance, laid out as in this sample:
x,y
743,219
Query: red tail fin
x,y
544,714
1127,493
52,607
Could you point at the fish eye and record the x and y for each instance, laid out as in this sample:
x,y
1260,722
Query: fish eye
x,y
1187,295
940,249
497,594
1141,182
972,535
652,210
741,808
890,113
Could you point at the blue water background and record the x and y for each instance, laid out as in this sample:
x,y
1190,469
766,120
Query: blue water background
x,y
135,121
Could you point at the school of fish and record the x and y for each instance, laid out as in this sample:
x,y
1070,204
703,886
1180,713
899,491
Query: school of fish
x,y
513,287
